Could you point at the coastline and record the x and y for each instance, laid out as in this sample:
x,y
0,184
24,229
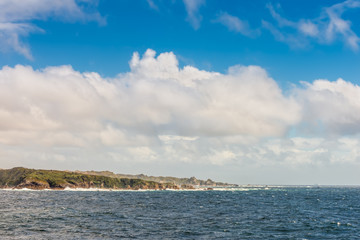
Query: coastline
x,y
40,179
137,190
243,188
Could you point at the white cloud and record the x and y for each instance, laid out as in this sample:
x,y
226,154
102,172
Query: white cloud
x,y
308,28
325,29
16,18
338,26
192,9
170,138
161,114
10,34
314,151
235,24
156,94
282,22
153,106
331,107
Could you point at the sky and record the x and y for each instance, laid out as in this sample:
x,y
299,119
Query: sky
x,y
246,92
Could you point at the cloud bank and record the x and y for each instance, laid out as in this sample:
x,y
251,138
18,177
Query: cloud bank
x,y
159,112
156,96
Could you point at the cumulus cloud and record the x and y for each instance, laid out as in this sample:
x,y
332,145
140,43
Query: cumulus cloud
x,y
332,107
158,112
192,9
156,95
325,29
16,18
60,107
235,24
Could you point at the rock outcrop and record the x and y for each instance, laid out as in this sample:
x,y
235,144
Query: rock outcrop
x,y
51,179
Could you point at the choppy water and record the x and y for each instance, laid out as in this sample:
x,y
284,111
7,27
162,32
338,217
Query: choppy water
x,y
275,213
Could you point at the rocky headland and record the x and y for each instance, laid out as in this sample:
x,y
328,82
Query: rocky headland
x,y
19,178
192,181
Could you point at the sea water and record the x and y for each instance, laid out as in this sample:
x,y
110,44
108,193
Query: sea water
x,y
244,213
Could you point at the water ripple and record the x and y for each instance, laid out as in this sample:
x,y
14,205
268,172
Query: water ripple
x,y
281,213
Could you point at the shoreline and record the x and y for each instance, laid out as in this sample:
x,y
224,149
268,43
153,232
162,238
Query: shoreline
x,y
196,189
134,190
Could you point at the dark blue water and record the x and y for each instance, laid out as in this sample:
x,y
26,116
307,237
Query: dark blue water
x,y
276,213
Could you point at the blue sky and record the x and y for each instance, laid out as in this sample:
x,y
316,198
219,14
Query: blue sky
x,y
135,26
239,91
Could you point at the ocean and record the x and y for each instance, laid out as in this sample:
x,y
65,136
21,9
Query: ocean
x,y
244,213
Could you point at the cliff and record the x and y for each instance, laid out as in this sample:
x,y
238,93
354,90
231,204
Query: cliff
x,y
51,179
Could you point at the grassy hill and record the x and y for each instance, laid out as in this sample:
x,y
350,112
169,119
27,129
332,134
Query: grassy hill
x,y
51,179
174,180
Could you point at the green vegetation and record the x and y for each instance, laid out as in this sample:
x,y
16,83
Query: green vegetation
x,y
50,179
178,181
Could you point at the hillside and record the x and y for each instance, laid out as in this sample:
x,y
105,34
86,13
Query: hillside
x,y
51,179
177,181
